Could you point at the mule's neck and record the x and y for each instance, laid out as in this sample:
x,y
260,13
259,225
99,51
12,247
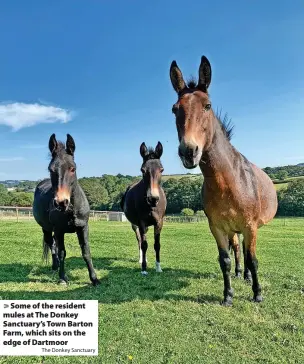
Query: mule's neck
x,y
217,161
75,192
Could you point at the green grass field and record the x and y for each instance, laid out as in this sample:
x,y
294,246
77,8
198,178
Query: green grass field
x,y
174,316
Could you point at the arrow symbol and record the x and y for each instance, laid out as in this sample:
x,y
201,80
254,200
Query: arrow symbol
x,y
6,305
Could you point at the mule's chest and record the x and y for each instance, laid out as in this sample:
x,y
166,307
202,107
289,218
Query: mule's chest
x,y
64,222
223,212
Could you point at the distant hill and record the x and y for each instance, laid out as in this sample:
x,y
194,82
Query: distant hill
x,y
300,164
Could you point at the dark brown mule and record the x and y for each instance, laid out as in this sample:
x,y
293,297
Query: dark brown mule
x,y
238,197
144,204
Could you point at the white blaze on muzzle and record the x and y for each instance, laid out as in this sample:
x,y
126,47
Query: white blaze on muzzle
x,y
63,194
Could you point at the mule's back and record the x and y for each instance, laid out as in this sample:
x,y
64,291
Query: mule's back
x,y
41,205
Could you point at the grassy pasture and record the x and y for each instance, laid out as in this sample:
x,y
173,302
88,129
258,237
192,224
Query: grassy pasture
x,y
172,317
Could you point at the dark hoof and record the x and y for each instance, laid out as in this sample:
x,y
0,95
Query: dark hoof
x,y
62,282
248,278
95,282
258,298
227,302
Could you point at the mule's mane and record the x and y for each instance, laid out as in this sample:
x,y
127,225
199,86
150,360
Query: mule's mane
x,y
226,124
192,83
60,146
151,154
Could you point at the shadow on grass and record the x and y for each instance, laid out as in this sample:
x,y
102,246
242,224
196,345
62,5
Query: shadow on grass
x,y
118,283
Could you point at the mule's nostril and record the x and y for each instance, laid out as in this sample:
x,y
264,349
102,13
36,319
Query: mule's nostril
x,y
66,202
55,203
189,152
196,149
153,200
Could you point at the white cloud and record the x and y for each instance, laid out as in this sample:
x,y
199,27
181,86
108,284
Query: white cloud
x,y
19,115
11,159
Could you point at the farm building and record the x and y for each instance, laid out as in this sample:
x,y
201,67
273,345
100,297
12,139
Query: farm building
x,y
116,216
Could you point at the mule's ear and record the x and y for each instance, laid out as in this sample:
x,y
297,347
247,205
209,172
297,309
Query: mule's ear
x,y
159,150
53,144
70,145
204,74
176,77
143,150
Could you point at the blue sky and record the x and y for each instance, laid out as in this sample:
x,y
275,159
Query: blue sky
x,y
99,70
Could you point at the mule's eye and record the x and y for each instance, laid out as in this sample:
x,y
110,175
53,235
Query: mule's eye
x,y
143,170
72,169
207,107
161,170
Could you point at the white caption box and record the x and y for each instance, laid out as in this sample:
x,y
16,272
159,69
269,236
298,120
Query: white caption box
x,y
49,327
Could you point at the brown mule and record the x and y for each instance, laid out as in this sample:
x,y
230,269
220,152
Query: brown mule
x,y
144,204
238,197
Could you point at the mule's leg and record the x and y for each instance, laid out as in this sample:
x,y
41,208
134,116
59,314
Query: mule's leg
x,y
250,237
144,247
225,263
234,241
61,254
50,243
83,238
138,238
247,273
157,231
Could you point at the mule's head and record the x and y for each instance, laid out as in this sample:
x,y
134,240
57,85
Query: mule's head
x,y
193,113
151,170
62,170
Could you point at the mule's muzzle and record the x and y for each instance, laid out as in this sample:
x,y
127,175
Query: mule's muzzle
x,y
153,200
61,205
189,155
62,198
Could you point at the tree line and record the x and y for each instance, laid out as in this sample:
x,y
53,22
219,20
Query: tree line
x,y
104,193
284,172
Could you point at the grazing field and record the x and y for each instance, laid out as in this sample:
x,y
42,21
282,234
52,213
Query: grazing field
x,y
174,316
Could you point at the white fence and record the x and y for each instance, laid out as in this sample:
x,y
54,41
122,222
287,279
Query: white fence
x,y
26,213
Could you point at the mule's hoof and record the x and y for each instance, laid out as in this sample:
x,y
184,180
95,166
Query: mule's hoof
x,y
158,268
62,282
144,273
227,302
95,282
257,298
248,279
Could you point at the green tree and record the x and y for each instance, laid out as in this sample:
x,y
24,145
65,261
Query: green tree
x,y
20,199
291,200
96,193
282,175
187,212
4,200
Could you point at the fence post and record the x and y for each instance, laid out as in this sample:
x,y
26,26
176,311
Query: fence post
x,y
17,212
